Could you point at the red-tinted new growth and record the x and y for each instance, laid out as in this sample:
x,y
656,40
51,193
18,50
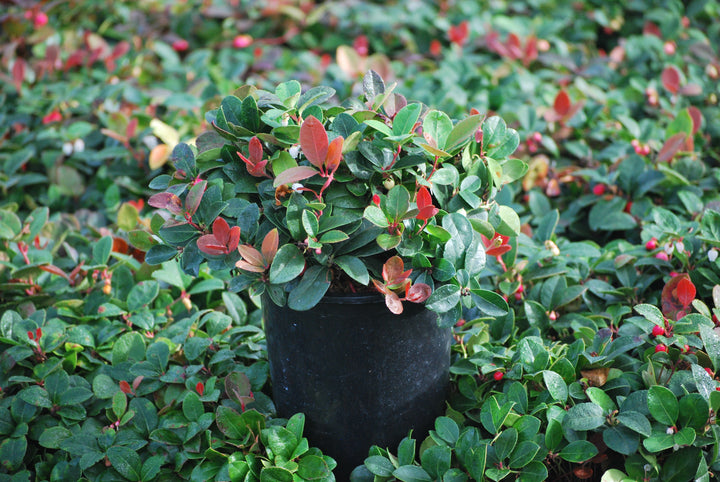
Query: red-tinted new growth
x,y
458,34
54,116
426,210
31,335
200,388
125,387
376,199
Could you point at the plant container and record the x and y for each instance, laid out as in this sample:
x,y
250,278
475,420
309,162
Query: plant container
x,y
360,374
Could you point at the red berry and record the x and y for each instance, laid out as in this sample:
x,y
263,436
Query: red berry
x,y
651,244
180,45
658,330
686,349
376,199
710,372
660,347
498,376
460,323
599,189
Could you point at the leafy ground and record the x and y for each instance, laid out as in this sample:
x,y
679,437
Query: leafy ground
x,y
598,357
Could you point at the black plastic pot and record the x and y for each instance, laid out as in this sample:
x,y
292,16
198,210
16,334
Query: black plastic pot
x,y
360,374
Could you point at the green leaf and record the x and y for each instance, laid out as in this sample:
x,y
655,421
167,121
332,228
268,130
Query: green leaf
x,y
681,464
523,454
10,224
231,423
584,416
101,250
510,222
151,467
312,287
600,398
160,253
376,216
411,473
447,429
288,263
130,346
578,451
397,203
36,396
355,268
443,299
119,404
333,236
436,460
489,302
437,126
556,386
379,465
52,437
12,452
405,119
280,440
126,461
312,467
505,443
621,439
462,132
192,407
651,313
142,294
275,474
388,241
663,405
635,421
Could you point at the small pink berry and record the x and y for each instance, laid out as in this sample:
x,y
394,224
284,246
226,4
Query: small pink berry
x,y
660,347
552,315
180,45
662,255
498,376
537,137
658,330
645,150
686,349
242,41
599,189
651,244
669,47
41,19
318,250
635,143
28,14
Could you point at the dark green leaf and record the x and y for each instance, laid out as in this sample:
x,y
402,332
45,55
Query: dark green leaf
x,y
578,451
126,461
663,405
312,287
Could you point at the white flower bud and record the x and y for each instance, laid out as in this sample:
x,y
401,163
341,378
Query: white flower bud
x,y
67,148
670,431
79,145
712,255
297,186
679,246
668,248
294,151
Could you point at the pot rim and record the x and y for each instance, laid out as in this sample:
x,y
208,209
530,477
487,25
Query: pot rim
x,y
352,299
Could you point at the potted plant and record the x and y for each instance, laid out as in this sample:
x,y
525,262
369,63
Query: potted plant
x,y
326,211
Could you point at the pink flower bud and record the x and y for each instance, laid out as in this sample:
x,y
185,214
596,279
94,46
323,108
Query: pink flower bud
x,y
41,19
180,45
651,244
662,255
242,41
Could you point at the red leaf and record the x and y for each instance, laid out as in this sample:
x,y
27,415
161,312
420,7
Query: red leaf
x,y
426,210
209,244
671,147
294,174
671,79
233,238
131,127
673,297
392,301
418,293
221,230
255,150
314,141
334,154
54,270
252,259
125,387
120,49
200,388
696,117
270,246
381,287
686,292
194,196
166,200
393,273
18,74
562,103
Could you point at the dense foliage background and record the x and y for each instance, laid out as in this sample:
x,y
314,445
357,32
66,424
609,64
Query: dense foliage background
x,y
596,359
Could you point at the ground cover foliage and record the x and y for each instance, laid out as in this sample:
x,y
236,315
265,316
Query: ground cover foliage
x,y
597,358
